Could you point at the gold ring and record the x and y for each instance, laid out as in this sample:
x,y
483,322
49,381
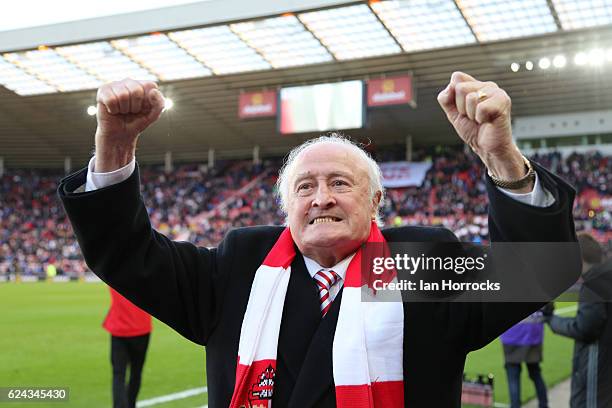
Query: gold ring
x,y
482,95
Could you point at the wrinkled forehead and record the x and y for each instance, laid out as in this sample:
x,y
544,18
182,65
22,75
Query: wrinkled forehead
x,y
325,159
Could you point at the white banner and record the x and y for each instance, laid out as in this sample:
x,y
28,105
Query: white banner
x,y
404,174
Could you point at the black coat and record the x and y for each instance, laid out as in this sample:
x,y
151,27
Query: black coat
x,y
203,293
592,330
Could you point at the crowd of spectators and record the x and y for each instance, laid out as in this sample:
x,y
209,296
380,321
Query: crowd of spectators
x,y
453,193
34,231
200,204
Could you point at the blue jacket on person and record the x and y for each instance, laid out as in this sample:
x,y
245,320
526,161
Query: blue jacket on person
x,y
529,332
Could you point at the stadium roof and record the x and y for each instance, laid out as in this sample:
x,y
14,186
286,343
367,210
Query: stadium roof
x,y
288,43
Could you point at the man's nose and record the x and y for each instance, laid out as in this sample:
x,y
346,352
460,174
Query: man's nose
x,y
323,197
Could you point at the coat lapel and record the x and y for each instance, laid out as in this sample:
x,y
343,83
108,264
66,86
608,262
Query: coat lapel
x,y
316,376
301,317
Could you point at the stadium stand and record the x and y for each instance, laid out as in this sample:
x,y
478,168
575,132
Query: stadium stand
x,y
200,205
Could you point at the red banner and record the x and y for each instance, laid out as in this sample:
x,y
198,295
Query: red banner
x,y
257,104
390,91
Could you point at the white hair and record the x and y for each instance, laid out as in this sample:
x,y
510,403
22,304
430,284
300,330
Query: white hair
x,y
287,170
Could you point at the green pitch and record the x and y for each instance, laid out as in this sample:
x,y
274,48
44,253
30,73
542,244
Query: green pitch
x,y
51,335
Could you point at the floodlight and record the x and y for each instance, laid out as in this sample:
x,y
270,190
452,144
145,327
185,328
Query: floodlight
x,y
581,58
544,63
559,61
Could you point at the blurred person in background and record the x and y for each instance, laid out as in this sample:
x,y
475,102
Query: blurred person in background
x,y
591,329
51,271
130,330
523,344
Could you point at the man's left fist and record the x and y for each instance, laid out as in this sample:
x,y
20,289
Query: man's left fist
x,y
480,113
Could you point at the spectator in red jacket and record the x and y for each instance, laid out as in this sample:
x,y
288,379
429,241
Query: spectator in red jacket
x,y
130,328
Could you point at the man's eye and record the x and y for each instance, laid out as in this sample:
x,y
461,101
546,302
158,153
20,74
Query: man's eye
x,y
304,186
339,183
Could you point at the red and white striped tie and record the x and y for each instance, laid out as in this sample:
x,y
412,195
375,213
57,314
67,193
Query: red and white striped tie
x,y
325,280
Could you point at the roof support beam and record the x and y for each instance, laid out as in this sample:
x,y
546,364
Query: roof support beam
x,y
167,18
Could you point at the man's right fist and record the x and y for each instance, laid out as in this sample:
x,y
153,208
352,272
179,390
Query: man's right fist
x,y
125,109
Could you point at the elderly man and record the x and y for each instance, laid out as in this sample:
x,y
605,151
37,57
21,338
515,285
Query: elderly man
x,y
278,309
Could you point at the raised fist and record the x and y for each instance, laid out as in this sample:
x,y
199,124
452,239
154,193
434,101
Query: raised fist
x,y
125,109
480,113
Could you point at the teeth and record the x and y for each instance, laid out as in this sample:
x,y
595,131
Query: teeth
x,y
323,219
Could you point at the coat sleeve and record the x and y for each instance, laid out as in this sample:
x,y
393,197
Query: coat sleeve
x,y
587,326
513,221
180,284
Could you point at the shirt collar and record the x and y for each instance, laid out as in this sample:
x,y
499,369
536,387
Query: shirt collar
x,y
340,268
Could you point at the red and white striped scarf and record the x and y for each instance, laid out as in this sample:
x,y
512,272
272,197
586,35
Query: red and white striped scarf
x,y
367,351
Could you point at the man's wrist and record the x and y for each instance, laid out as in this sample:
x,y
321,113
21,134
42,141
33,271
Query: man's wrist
x,y
505,166
113,150
510,171
118,157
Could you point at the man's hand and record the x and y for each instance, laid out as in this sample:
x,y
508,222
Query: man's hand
x,y
125,109
480,113
547,311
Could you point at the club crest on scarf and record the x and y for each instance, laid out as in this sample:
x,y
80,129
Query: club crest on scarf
x,y
262,390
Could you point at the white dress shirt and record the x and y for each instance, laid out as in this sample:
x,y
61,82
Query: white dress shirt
x,y
340,269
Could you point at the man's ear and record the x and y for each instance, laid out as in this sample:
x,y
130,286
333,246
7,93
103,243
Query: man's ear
x,y
375,203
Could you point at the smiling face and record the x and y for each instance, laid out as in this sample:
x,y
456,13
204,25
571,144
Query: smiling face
x,y
329,203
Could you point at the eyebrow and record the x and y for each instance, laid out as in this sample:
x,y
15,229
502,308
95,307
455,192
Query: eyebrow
x,y
333,174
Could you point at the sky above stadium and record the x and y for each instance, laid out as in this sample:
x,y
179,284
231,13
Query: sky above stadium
x,y
32,13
